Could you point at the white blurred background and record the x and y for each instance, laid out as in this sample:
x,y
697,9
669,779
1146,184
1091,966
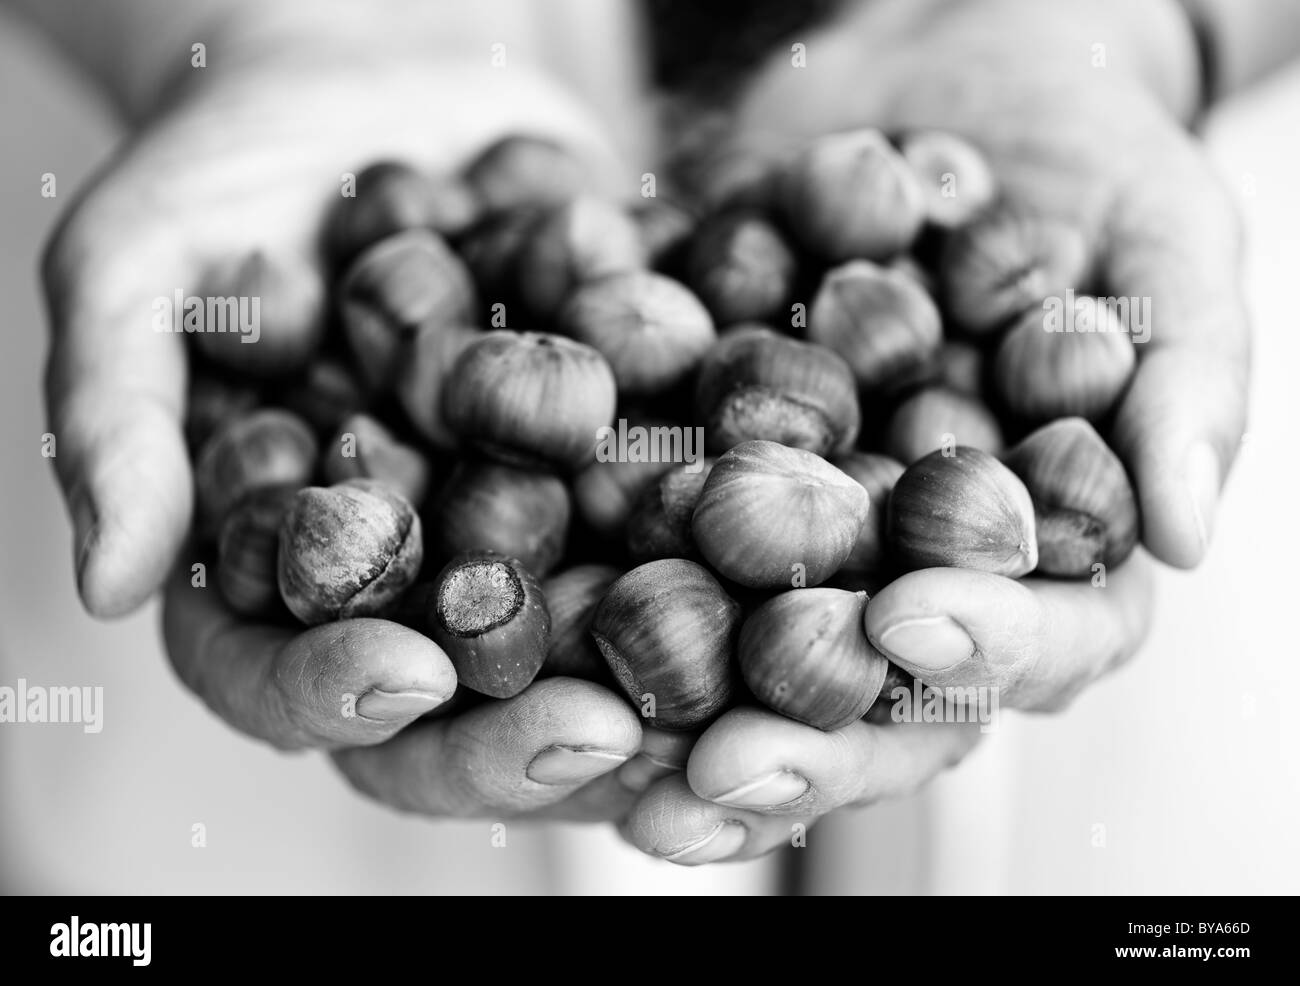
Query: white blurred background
x,y
1179,775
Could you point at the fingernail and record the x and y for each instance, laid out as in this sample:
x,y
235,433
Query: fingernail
x,y
770,791
927,643
642,770
1203,489
385,706
562,765
722,843
83,529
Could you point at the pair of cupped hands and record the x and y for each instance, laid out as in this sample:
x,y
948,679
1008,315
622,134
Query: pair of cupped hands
x,y
247,154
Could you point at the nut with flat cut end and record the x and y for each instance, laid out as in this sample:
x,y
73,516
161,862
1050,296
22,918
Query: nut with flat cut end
x,y
881,321
528,397
491,618
391,197
956,178
805,654
519,513
936,417
660,527
652,329
364,449
404,283
963,509
524,170
269,447
571,598
877,474
247,548
851,195
772,516
741,267
347,550
1046,371
579,241
1005,263
667,630
1084,507
756,384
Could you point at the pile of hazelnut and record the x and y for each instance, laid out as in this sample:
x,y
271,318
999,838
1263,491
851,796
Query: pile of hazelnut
x,y
858,336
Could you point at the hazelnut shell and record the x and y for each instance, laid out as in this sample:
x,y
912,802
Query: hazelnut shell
x,y
805,654
772,516
962,509
1084,505
347,550
490,617
667,630
756,384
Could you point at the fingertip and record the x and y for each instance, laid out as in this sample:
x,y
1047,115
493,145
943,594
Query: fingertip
x,y
129,526
394,673
1179,503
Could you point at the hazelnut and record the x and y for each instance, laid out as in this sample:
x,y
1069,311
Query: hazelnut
x,y
491,619
247,548
515,512
741,267
851,195
1043,374
1006,262
572,597
881,321
667,630
651,329
491,249
269,447
579,241
772,516
213,400
1084,507
961,367
907,265
524,170
962,509
756,384
347,550
881,711
528,396
877,474
324,394
607,492
422,377
269,316
956,178
392,197
364,449
936,417
666,229
403,283
660,527
805,654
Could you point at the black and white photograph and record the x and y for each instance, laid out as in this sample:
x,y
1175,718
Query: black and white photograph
x,y
650,448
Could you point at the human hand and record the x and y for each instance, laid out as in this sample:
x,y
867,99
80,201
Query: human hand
x,y
1104,149
246,156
